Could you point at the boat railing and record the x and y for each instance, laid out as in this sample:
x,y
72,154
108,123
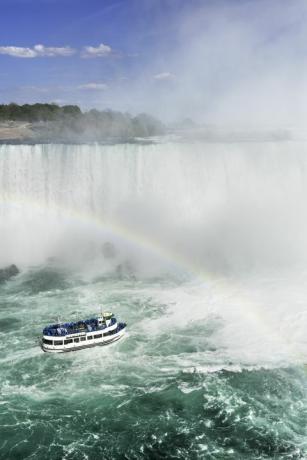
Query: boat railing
x,y
90,325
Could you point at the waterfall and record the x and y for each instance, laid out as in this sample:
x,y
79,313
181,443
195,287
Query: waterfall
x,y
223,205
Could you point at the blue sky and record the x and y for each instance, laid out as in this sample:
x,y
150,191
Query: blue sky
x,y
122,34
169,57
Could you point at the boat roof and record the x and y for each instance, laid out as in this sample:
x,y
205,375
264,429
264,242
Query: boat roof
x,y
77,326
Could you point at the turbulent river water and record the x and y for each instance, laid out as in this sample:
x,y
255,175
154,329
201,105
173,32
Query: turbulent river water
x,y
201,249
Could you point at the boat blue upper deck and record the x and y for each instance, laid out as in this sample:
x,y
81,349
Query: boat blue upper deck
x,y
88,325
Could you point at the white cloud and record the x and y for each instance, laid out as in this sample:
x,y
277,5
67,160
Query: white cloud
x,y
98,51
164,76
36,51
52,51
42,50
18,51
94,86
38,89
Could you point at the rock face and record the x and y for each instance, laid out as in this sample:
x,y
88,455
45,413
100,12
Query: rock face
x,y
7,273
15,131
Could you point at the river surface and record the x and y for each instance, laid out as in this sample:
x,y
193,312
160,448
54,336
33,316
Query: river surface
x,y
201,249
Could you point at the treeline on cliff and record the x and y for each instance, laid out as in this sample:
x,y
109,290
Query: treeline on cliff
x,y
68,122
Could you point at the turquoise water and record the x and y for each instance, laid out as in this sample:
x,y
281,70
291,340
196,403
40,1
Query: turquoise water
x,y
169,389
201,249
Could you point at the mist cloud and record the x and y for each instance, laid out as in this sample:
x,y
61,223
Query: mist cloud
x,y
235,63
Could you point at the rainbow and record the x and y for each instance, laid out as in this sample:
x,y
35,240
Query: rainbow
x,y
253,312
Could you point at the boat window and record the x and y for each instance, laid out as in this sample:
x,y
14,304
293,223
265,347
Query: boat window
x,y
47,342
98,336
77,339
66,342
58,342
82,339
89,337
109,333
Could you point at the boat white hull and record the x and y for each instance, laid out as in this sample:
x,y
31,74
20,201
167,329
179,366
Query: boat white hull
x,y
81,345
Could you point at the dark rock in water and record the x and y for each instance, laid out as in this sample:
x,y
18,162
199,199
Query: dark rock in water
x,y
7,273
125,271
108,250
47,279
52,260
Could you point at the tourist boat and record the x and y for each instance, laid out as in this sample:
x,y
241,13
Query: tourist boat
x,y
100,330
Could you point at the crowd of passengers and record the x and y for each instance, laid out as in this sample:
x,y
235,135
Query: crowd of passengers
x,y
73,328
